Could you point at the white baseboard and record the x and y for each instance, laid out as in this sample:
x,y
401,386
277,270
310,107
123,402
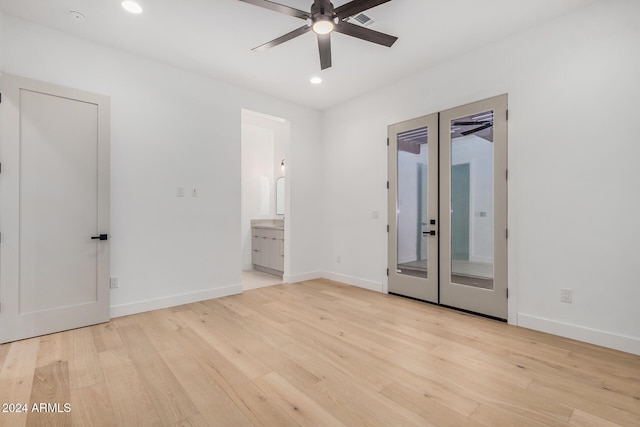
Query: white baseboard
x,y
295,278
349,280
580,333
173,300
354,281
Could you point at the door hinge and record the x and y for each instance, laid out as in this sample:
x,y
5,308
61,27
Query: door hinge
x,y
507,114
506,174
506,233
387,185
507,293
387,271
387,142
387,228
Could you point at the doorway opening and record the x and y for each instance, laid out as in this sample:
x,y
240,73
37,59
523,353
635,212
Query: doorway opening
x,y
264,148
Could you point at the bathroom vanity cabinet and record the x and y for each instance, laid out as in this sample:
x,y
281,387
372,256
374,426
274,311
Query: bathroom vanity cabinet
x,y
267,245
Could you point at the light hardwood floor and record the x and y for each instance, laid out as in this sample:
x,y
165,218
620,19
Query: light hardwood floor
x,y
316,353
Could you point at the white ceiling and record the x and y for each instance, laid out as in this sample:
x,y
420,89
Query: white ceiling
x,y
215,37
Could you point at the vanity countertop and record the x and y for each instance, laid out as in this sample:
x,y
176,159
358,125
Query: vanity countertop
x,y
272,224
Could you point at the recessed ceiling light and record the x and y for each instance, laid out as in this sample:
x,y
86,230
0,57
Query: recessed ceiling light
x,y
316,80
132,7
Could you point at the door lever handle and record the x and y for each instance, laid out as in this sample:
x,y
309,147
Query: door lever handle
x,y
100,237
429,233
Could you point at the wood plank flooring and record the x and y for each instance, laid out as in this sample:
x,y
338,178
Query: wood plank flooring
x,y
316,353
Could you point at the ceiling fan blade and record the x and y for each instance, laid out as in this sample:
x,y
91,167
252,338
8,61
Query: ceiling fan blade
x,y
478,129
275,42
276,7
324,45
365,34
356,6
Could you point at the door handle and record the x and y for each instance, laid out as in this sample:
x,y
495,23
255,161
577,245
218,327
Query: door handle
x,y
100,237
429,233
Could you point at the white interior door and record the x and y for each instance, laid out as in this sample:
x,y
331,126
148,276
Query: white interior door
x,y
54,187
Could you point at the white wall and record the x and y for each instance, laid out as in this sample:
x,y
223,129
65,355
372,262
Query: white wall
x,y
170,128
263,147
574,97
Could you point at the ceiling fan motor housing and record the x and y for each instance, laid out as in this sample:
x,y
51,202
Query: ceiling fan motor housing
x,y
322,8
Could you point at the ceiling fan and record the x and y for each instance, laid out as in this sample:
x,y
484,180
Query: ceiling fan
x,y
323,20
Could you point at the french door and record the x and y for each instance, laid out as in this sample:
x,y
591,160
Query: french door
x,y
448,207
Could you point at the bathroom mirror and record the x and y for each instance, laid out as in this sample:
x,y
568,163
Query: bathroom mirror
x,y
280,196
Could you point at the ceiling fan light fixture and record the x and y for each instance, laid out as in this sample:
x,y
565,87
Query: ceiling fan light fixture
x,y
323,25
315,80
132,7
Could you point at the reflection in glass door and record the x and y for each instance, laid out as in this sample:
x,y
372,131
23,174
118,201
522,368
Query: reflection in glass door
x,y
472,200
412,166
447,208
413,208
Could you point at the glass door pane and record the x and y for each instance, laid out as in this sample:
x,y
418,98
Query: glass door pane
x,y
471,190
412,202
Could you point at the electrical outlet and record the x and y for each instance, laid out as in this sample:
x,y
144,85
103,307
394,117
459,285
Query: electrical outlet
x,y
566,295
114,282
194,192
